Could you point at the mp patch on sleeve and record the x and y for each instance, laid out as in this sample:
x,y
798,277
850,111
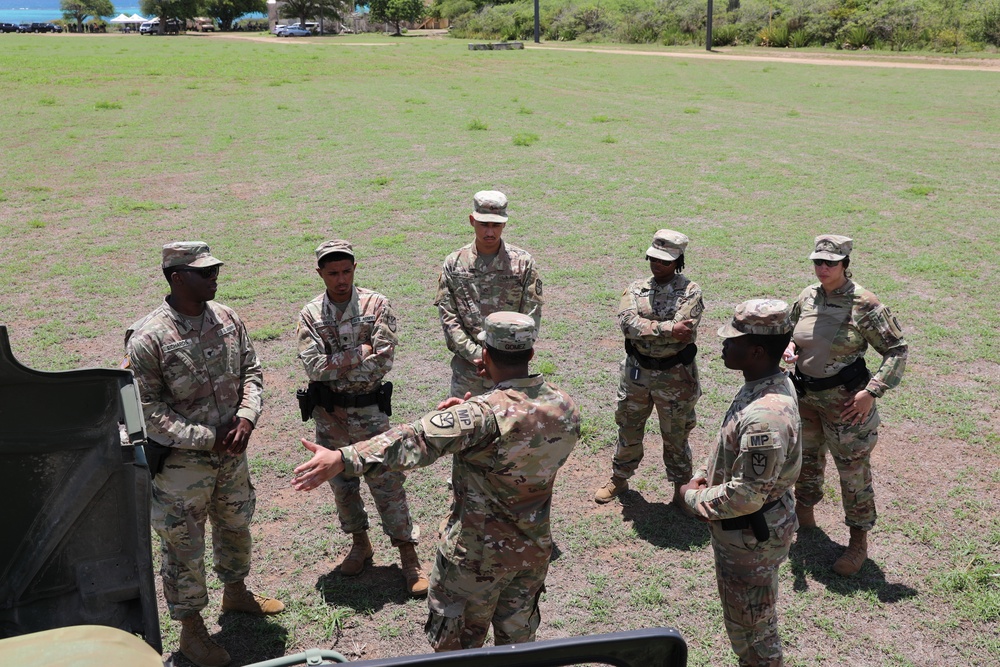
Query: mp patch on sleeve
x,y
761,453
449,423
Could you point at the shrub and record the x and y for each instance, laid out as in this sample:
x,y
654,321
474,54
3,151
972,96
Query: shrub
x,y
857,37
775,35
799,39
985,27
725,35
641,28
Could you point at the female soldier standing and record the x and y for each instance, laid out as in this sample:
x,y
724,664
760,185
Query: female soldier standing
x,y
659,317
835,322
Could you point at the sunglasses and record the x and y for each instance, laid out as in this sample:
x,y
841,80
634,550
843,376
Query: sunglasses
x,y
206,272
828,262
661,262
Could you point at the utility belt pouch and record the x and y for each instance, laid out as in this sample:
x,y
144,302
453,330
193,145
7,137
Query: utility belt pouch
x,y
156,457
385,398
852,377
797,382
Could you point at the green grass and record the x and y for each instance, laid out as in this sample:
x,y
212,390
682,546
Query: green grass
x,y
264,150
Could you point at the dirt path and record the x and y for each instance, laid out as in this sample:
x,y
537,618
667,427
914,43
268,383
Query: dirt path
x,y
845,60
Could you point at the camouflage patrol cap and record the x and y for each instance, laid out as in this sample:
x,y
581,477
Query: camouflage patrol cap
x,y
766,317
188,253
508,332
336,245
832,247
668,245
489,206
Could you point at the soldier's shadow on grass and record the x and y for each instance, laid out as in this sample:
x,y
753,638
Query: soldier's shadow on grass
x,y
250,639
812,556
662,524
367,592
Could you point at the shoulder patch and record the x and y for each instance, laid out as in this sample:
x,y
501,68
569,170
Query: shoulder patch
x,y
538,286
452,422
767,440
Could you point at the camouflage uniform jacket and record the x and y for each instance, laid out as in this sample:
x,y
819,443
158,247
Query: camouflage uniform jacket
x,y
191,381
508,445
330,342
648,310
833,330
759,453
470,289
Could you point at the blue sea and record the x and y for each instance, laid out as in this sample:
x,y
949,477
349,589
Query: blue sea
x,y
44,11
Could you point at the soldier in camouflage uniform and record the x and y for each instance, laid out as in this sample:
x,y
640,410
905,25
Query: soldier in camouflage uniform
x,y
835,322
744,490
659,316
200,384
507,446
483,277
347,340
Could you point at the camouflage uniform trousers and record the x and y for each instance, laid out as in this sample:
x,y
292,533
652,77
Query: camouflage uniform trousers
x,y
194,486
465,379
463,604
851,447
674,392
747,575
346,426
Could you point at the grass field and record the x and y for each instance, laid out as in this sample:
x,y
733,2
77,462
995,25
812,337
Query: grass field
x,y
113,146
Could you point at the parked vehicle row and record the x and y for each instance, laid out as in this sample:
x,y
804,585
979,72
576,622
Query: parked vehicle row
x,y
30,27
294,30
172,27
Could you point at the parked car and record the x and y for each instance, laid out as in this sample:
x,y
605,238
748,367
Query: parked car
x,y
293,31
8,27
173,26
24,27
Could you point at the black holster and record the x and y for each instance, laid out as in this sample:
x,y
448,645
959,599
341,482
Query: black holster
x,y
156,457
756,522
385,398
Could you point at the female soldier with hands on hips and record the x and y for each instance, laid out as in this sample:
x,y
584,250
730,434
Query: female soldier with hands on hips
x,y
835,322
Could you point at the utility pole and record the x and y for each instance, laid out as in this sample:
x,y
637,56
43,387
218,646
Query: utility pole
x,y
708,32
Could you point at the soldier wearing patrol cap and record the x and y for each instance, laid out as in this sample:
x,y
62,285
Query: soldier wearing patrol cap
x,y
659,318
835,321
507,446
201,385
744,490
483,277
347,341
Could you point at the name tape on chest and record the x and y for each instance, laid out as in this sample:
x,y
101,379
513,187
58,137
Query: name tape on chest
x,y
177,345
363,319
228,330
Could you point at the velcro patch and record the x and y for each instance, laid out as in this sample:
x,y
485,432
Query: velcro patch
x,y
177,345
227,330
454,421
768,440
363,319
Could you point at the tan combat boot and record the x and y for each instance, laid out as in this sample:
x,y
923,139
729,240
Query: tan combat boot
x,y
361,553
857,551
807,517
236,597
198,647
416,582
615,487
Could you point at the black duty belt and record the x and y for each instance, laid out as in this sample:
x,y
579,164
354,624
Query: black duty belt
x,y
320,395
755,521
852,377
685,356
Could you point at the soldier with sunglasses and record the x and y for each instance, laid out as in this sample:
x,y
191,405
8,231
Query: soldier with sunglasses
x,y
835,322
201,385
659,318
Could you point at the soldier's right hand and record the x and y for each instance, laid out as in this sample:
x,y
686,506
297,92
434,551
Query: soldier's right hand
x,y
683,330
366,351
789,356
223,436
453,401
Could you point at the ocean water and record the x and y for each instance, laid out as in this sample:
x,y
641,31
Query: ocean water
x,y
44,11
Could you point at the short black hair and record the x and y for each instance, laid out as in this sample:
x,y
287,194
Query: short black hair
x,y
508,358
334,257
774,345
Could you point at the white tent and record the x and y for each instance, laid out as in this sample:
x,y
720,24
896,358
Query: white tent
x,y
135,18
121,18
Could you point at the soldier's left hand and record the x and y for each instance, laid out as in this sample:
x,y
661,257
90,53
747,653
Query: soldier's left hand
x,y
683,330
856,409
324,465
239,436
453,401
